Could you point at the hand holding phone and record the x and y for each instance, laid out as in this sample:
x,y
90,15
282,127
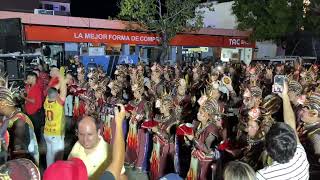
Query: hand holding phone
x,y
278,83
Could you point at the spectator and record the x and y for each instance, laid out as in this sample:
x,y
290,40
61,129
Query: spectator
x,y
90,147
283,146
237,170
33,103
55,122
74,169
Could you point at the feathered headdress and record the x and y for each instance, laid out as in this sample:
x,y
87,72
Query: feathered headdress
x,y
102,85
216,86
295,87
255,91
115,85
7,94
166,99
93,76
263,114
121,71
156,69
7,97
308,75
183,81
313,101
212,107
137,82
140,67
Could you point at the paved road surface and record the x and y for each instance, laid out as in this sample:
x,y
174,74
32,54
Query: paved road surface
x,y
135,175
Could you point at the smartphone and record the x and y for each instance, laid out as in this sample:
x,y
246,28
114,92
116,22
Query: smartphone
x,y
278,83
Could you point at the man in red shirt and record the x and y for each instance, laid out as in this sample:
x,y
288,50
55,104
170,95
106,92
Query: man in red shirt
x,y
40,81
33,97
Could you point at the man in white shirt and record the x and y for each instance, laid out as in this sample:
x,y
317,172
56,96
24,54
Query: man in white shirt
x,y
283,146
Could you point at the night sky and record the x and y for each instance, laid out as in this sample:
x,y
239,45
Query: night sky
x,y
95,8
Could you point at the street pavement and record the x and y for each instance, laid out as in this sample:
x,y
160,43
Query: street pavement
x,y
135,175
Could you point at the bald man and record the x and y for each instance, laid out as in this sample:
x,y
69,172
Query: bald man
x,y
90,147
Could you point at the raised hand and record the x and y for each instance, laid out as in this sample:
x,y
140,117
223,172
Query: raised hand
x,y
119,115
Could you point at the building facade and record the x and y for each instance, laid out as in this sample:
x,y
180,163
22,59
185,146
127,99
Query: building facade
x,y
73,35
223,18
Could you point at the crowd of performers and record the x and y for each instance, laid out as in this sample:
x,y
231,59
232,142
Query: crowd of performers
x,y
191,120
194,118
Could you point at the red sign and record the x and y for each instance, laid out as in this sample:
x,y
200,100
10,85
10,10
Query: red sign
x,y
197,40
237,42
63,34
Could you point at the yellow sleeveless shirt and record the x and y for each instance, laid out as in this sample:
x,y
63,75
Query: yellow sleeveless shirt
x,y
55,122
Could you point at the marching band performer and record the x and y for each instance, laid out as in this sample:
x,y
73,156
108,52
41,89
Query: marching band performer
x,y
162,156
139,139
206,136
